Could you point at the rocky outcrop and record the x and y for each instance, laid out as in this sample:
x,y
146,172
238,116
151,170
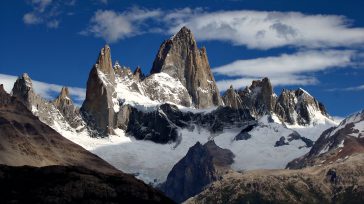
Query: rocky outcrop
x,y
138,74
335,143
98,106
182,59
202,165
72,184
291,107
162,124
232,99
259,98
43,109
298,107
69,111
339,182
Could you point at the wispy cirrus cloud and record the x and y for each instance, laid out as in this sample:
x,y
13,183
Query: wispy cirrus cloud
x,y
46,12
113,26
286,69
253,29
268,29
352,88
46,90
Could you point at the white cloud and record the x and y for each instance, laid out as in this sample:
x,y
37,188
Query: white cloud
x,y
285,69
53,24
353,88
46,12
253,29
113,26
265,30
31,19
46,90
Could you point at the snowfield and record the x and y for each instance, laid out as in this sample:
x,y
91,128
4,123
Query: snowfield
x,y
151,162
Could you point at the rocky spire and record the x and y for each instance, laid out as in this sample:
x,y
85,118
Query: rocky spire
x,y
259,98
232,99
23,90
98,105
182,59
138,74
63,97
69,111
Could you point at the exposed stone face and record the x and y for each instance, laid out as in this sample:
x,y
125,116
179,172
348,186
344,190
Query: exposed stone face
x,y
98,105
69,111
162,125
296,106
259,98
232,99
202,165
138,74
23,91
182,59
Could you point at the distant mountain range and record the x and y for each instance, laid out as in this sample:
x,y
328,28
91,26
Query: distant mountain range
x,y
172,129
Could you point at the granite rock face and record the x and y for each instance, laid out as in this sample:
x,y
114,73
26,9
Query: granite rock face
x,y
162,124
182,59
69,111
43,109
259,98
98,106
232,99
298,106
291,107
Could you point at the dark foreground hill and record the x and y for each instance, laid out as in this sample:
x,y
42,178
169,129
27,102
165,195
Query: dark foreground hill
x,y
69,184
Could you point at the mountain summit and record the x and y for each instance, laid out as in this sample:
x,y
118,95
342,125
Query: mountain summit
x,y
100,89
182,59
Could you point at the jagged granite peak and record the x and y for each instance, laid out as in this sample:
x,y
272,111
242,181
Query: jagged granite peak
x,y
138,74
232,99
298,107
202,165
97,108
182,59
259,97
23,90
104,63
69,111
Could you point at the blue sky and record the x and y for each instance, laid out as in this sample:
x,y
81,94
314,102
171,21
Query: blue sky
x,y
313,44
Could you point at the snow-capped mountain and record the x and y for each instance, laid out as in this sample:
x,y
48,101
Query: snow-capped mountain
x,y
336,143
146,124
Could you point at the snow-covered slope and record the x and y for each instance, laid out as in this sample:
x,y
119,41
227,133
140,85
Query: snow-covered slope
x,y
152,162
152,91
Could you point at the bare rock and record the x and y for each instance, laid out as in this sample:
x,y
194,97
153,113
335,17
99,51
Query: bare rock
x,y
232,99
98,106
182,59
